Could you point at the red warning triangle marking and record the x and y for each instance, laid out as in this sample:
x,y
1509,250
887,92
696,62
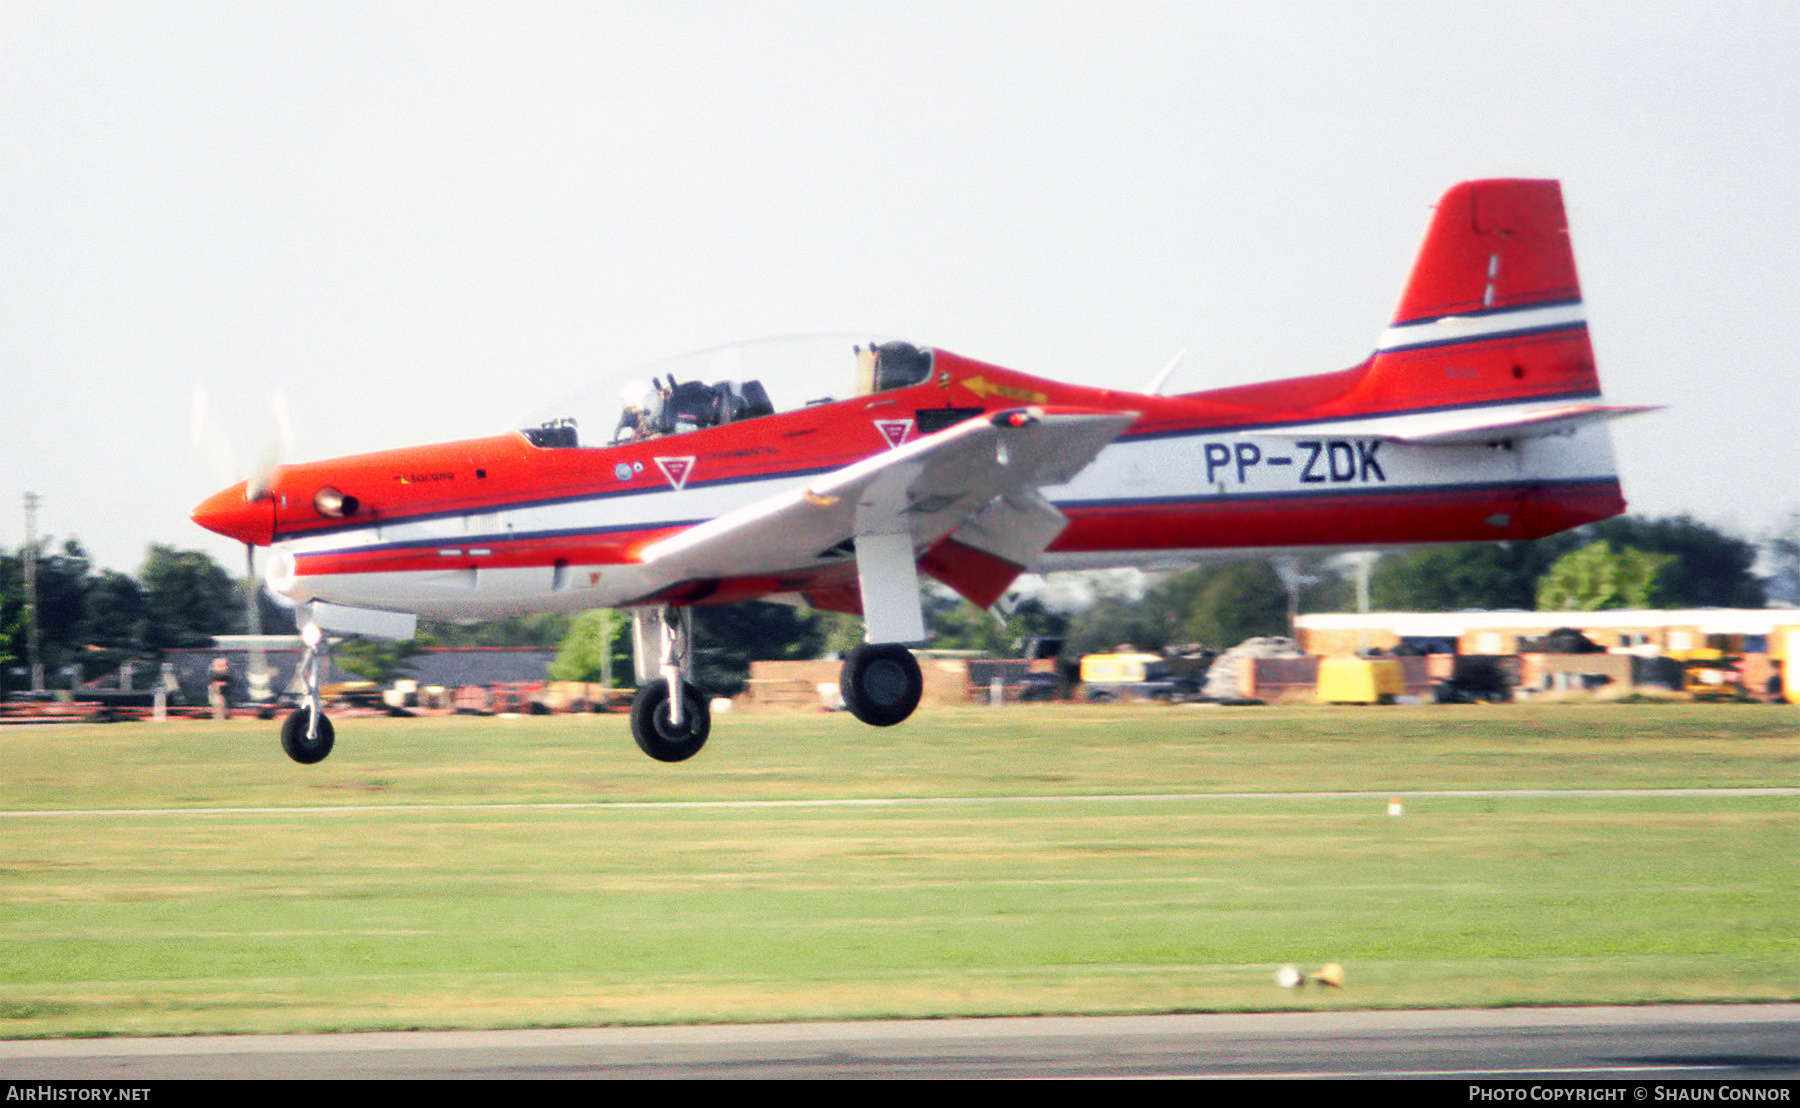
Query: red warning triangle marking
x,y
895,431
676,469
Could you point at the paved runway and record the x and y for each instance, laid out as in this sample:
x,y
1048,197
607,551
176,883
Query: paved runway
x,y
1636,1046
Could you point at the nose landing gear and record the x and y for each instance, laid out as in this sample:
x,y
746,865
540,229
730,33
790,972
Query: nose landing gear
x,y
306,734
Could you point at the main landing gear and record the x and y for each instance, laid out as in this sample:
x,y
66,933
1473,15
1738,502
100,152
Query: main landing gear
x,y
881,683
667,726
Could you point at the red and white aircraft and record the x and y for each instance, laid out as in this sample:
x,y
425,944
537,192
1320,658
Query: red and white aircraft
x,y
1477,417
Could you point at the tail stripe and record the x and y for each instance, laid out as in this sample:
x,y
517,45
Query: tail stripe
x,y
1449,330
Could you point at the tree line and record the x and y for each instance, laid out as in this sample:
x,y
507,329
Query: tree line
x,y
92,621
1624,562
1629,561
96,619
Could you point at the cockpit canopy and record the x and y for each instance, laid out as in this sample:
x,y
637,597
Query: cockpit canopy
x,y
676,402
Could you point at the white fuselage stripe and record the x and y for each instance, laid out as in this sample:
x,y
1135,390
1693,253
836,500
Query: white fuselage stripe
x,y
1484,325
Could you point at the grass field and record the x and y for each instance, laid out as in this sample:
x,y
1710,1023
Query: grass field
x,y
186,877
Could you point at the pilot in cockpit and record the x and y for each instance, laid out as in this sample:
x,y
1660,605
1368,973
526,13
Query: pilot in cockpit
x,y
670,408
643,412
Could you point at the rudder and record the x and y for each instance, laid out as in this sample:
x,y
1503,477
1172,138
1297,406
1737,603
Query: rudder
x,y
1492,246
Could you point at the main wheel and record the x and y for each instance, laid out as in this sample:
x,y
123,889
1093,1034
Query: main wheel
x,y
294,739
651,725
881,683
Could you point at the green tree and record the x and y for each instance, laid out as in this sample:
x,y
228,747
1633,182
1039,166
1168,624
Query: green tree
x,y
1711,569
376,660
63,580
1460,576
1783,552
113,622
543,631
1115,619
12,610
1219,606
188,598
1597,577
840,632
12,626
596,648
728,637
952,623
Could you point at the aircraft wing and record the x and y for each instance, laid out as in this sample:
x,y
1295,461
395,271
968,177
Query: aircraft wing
x,y
982,474
1468,428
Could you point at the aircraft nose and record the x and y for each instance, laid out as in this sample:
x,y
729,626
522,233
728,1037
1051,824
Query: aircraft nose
x,y
231,513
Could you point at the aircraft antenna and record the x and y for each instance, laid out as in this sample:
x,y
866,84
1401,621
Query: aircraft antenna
x,y
1155,387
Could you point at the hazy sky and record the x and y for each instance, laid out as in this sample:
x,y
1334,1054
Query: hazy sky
x,y
419,221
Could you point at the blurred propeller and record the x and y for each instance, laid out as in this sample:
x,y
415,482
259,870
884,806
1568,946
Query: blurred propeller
x,y
215,447
209,442
277,448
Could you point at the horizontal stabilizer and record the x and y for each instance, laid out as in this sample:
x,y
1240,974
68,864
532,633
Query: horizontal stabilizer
x,y
1468,428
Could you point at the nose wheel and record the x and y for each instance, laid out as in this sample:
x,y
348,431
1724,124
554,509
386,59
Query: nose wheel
x,y
881,683
306,735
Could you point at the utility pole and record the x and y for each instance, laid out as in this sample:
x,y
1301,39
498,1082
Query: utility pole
x,y
31,620
1364,560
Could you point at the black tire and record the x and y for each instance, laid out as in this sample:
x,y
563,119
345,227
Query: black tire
x,y
651,728
295,742
881,683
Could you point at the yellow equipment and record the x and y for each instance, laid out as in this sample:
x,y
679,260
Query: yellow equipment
x,y
1134,676
1116,669
1348,680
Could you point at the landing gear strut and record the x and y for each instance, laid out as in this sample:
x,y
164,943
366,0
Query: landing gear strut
x,y
306,734
881,683
667,726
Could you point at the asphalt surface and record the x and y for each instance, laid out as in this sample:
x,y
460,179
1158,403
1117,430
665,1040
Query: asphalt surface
x,y
1627,1047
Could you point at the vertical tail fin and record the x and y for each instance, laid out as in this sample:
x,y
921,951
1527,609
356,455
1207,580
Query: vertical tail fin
x,y
1492,246
1491,318
1492,309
